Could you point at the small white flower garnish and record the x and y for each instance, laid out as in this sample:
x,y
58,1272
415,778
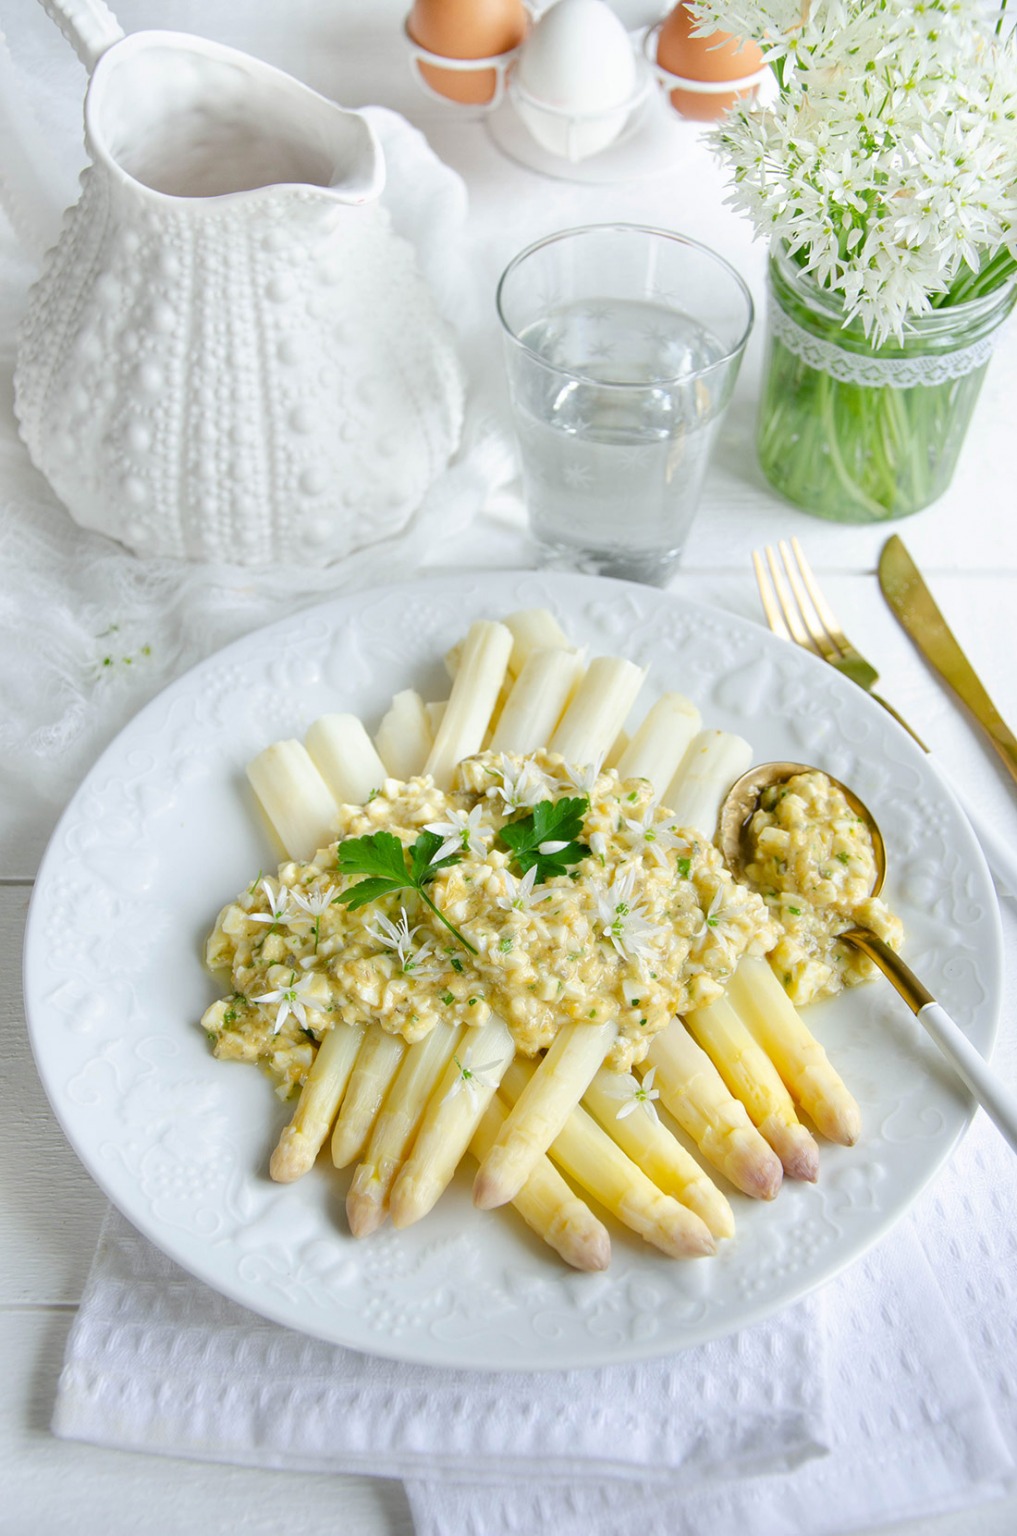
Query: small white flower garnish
x,y
289,999
643,1093
659,837
520,894
584,776
522,784
625,922
278,904
474,1078
717,913
315,904
460,832
414,959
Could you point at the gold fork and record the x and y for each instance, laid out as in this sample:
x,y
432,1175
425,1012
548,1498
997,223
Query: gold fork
x,y
796,610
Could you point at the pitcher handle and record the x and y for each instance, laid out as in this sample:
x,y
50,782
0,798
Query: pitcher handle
x,y
88,25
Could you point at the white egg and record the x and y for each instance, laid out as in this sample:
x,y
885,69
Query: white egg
x,y
575,78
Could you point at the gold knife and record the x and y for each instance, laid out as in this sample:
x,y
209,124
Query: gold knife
x,y
913,604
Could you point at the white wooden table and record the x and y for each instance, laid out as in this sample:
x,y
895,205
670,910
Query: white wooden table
x,y
50,1210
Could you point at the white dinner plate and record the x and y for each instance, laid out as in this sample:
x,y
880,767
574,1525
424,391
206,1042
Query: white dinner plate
x,y
164,831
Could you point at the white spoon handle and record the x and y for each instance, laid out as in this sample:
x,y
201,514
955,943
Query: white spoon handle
x,y
999,1103
992,1094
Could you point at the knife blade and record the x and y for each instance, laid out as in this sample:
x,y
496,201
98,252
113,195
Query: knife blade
x,y
916,609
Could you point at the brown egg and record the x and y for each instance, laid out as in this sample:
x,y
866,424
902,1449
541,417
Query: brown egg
x,y
713,60
466,29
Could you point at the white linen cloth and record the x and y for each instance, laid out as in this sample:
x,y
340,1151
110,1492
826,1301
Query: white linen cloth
x,y
862,1403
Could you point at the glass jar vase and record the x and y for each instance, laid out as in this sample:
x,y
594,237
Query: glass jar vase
x,y
859,433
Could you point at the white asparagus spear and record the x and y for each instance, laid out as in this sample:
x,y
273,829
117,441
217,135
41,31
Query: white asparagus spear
x,y
616,750
712,762
752,1078
453,1113
324,1086
657,1150
660,741
377,1064
585,1150
396,1126
696,1095
536,702
344,755
472,701
404,737
534,629
548,1205
555,1088
294,797
811,1079
599,710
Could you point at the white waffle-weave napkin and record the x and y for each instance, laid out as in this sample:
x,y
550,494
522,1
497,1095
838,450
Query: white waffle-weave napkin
x,y
158,1362
844,1408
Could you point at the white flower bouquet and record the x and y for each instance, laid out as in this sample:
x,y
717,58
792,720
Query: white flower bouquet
x,y
884,174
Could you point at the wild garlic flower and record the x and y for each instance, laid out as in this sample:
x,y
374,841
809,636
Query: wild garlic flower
x,y
719,913
520,894
642,1096
474,1078
658,838
315,904
417,960
584,776
279,910
887,163
463,832
625,922
290,999
522,784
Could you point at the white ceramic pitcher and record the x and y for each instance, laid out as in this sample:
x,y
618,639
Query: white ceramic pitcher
x,y
229,355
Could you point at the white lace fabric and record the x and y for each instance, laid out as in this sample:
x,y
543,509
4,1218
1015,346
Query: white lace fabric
x,y
867,368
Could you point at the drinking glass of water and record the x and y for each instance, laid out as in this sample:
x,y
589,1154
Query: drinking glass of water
x,y
623,345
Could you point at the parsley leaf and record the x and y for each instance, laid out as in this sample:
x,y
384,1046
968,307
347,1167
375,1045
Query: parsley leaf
x,y
390,867
548,837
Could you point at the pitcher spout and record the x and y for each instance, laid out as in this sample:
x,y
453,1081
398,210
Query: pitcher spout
x,y
178,116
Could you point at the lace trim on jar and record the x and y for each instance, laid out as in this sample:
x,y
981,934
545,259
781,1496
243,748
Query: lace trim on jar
x,y
866,368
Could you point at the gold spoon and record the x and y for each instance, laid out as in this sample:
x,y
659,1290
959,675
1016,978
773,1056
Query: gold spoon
x,y
741,801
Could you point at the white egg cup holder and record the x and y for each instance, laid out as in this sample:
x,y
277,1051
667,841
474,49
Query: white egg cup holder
x,y
499,63
746,84
577,136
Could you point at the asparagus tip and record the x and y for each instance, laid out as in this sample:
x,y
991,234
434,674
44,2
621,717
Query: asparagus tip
x,y
292,1158
587,1248
757,1171
490,1189
795,1146
411,1198
364,1212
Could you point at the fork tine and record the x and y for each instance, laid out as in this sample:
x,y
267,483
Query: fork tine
x,y
768,598
810,616
827,617
788,606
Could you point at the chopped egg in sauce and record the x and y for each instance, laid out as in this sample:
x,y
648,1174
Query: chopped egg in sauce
x,y
812,859
630,920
